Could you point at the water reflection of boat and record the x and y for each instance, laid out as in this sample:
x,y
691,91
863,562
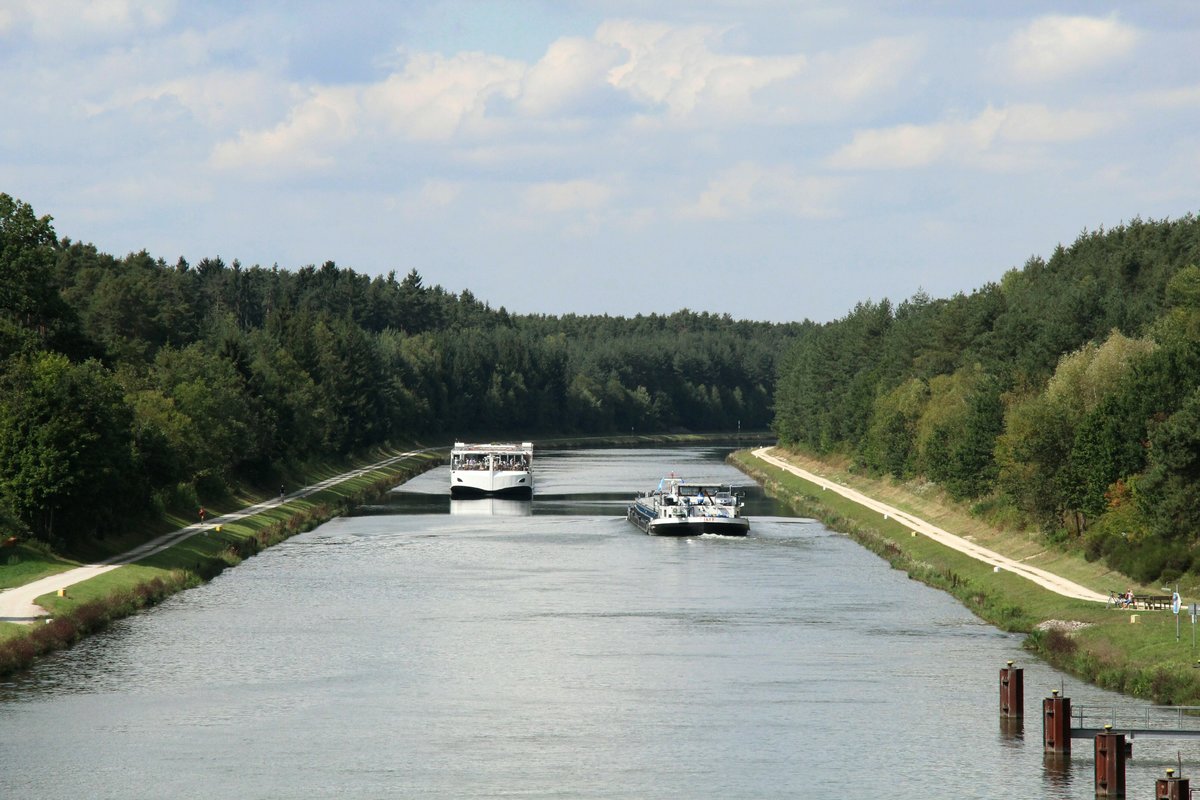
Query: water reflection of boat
x,y
491,507
487,469
679,508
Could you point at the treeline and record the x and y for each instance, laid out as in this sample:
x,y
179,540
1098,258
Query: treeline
x,y
1067,395
130,383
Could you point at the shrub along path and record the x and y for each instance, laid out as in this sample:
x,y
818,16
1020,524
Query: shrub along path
x,y
1041,577
17,604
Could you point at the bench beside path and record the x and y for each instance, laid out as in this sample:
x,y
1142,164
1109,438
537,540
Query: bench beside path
x,y
1041,577
17,603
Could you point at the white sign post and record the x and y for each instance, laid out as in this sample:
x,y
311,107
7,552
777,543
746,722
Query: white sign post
x,y
1175,606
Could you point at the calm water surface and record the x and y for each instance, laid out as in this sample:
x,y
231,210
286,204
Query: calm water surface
x,y
546,649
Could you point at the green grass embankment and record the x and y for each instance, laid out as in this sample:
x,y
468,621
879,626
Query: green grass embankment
x,y
26,562
93,604
1096,643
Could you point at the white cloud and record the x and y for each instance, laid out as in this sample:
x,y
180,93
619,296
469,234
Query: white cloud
x,y
1053,47
435,98
221,99
721,132
750,189
855,73
83,20
307,139
471,97
432,99
677,69
572,68
898,147
994,138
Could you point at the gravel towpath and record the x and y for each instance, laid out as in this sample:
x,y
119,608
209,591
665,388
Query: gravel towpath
x,y
1041,577
17,604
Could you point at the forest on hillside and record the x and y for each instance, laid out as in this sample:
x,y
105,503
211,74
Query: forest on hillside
x,y
129,384
1066,395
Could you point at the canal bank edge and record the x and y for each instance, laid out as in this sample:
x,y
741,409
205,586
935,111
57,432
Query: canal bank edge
x,y
1093,641
90,606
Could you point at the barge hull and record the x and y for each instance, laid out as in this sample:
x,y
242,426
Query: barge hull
x,y
520,492
692,527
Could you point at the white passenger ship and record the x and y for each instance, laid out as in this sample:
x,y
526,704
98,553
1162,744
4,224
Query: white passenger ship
x,y
491,469
679,508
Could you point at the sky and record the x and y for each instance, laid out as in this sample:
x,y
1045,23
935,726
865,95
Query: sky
x,y
773,160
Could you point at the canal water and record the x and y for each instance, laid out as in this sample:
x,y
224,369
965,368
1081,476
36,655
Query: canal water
x,y
424,648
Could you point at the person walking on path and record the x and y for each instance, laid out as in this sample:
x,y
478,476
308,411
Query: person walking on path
x,y
202,513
